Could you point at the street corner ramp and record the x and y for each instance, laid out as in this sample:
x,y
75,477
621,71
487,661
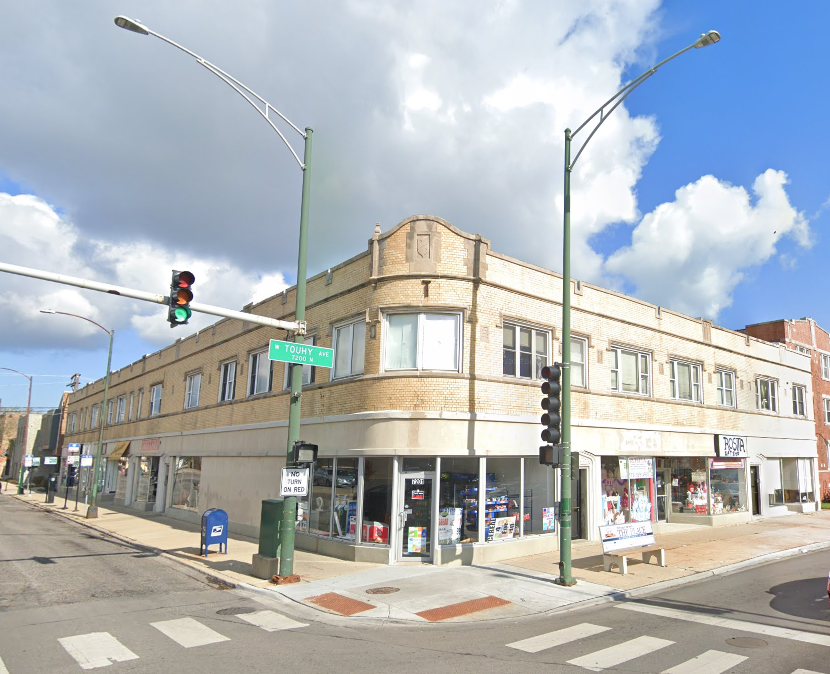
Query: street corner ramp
x,y
338,603
462,608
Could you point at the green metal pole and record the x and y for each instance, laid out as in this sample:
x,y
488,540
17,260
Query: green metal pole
x,y
92,510
25,431
565,577
289,517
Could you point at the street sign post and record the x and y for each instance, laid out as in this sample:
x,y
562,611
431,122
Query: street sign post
x,y
301,354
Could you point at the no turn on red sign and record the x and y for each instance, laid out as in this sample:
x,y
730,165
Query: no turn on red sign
x,y
294,482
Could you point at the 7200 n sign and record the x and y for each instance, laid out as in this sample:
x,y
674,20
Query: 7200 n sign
x,y
297,352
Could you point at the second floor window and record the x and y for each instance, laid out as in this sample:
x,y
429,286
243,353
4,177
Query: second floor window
x,y
825,366
766,394
227,386
422,342
191,390
685,381
630,371
260,373
827,410
726,388
524,351
579,356
109,412
130,410
155,400
140,403
798,401
72,421
94,417
121,409
349,347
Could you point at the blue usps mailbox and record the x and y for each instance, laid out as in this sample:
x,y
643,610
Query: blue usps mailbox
x,y
214,530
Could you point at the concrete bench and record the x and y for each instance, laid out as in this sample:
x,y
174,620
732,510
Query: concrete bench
x,y
620,557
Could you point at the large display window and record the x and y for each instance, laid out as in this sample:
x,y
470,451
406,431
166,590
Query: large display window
x,y
187,475
377,500
344,516
540,499
458,501
627,487
501,502
727,480
689,486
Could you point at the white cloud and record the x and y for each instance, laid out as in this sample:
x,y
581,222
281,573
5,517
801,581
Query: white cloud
x,y
690,254
33,235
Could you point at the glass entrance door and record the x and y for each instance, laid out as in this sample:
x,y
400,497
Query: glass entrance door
x,y
663,492
415,517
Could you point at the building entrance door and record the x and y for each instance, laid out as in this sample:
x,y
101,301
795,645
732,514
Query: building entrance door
x,y
663,493
753,484
415,516
579,492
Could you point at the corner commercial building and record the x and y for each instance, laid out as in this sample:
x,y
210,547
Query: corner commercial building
x,y
428,423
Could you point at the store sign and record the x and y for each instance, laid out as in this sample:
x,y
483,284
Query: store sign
x,y
86,460
72,460
150,447
620,536
636,468
27,461
35,460
74,448
50,460
730,446
716,464
294,482
417,495
450,522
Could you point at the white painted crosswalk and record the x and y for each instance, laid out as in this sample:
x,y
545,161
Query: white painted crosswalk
x,y
557,638
710,662
189,633
97,649
270,621
616,655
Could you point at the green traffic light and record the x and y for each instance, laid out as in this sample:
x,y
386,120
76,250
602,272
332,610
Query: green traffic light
x,y
182,314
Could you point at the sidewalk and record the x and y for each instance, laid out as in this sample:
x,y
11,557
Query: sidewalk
x,y
425,593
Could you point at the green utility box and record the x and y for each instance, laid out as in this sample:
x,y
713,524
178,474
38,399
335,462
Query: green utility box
x,y
269,527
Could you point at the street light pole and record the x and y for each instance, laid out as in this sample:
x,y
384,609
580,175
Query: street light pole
x,y
92,510
296,373
565,577
25,427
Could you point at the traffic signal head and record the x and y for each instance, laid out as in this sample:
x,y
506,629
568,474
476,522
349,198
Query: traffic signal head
x,y
551,403
180,298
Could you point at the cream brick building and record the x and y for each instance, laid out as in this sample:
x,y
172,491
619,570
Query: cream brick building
x,y
431,414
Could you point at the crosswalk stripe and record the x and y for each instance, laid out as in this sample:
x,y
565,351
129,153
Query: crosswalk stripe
x,y
615,655
188,632
729,623
270,621
805,671
557,638
97,649
710,662
3,669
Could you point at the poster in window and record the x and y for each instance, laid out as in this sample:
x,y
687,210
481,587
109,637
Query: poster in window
x,y
503,527
450,521
416,539
548,519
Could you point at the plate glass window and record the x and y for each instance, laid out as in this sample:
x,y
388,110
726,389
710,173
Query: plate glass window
x,y
826,410
109,412
525,351
140,403
130,411
798,401
766,394
155,400
227,386
825,366
579,353
630,371
422,342
94,420
685,381
122,406
191,391
726,388
349,347
261,371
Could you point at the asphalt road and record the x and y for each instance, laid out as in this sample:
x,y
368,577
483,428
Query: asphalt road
x,y
74,601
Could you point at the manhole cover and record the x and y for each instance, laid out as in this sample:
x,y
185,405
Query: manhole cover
x,y
747,642
235,610
382,590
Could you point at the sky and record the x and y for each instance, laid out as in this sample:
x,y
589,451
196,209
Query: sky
x,y
707,191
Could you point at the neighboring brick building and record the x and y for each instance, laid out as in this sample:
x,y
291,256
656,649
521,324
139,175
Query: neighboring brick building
x,y
805,336
428,424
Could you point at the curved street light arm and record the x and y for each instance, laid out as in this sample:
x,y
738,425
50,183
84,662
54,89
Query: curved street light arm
x,y
235,84
29,377
64,313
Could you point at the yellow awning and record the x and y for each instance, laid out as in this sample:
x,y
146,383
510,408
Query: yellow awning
x,y
120,448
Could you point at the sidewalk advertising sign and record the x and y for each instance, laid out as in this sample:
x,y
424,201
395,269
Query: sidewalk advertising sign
x,y
74,448
620,536
50,460
27,460
86,460
730,446
294,482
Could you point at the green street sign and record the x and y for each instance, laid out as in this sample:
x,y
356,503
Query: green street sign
x,y
304,354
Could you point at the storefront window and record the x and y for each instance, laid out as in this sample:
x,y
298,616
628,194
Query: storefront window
x,y
345,499
148,476
540,498
627,489
458,501
377,500
805,480
121,478
728,485
501,507
318,506
187,474
689,486
418,463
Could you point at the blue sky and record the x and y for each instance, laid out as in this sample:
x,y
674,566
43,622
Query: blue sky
x,y
121,158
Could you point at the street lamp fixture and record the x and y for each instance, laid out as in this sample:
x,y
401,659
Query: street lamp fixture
x,y
296,376
565,577
92,509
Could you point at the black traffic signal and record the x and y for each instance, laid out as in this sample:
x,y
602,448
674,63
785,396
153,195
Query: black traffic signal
x,y
551,403
180,298
303,452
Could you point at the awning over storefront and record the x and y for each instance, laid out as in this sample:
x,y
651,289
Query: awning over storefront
x,y
119,451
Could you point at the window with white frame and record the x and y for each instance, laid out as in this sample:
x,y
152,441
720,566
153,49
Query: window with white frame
x,y
155,400
825,366
120,409
130,409
579,361
260,371
685,380
109,412
308,370
524,351
766,394
191,390
140,403
72,421
802,349
227,384
94,417
826,410
726,388
798,401
349,347
630,371
422,341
